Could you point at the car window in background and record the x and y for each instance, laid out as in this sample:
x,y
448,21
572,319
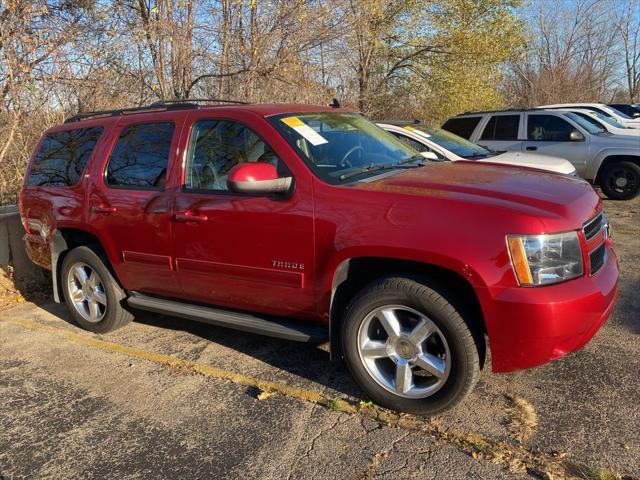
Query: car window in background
x,y
610,120
548,128
604,112
589,119
458,145
410,142
587,125
463,126
140,157
502,127
333,144
62,157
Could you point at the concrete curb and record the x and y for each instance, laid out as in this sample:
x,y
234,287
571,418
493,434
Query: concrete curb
x,y
8,211
13,256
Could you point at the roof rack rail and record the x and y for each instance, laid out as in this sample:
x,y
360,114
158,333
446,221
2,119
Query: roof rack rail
x,y
184,104
199,100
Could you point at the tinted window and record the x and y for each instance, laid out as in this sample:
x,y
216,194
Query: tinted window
x,y
140,156
587,122
626,109
410,142
216,146
502,127
548,128
63,156
463,127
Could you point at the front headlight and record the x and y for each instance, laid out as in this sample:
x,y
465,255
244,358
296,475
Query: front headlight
x,y
545,259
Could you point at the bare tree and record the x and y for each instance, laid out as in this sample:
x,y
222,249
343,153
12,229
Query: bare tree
x,y
627,23
572,55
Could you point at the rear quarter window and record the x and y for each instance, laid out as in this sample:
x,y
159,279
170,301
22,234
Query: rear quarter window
x,y
462,127
62,157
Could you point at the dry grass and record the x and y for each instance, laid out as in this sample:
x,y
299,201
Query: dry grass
x,y
9,295
523,419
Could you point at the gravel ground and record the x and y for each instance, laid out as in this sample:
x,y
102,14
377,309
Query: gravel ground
x,y
159,399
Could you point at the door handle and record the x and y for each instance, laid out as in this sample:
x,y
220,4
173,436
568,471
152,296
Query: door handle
x,y
531,149
189,217
102,208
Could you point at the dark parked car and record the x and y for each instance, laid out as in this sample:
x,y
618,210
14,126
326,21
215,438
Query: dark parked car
x,y
632,110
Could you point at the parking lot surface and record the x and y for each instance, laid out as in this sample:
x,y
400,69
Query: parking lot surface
x,y
169,398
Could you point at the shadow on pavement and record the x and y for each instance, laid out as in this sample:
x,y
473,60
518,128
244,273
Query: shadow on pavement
x,y
305,360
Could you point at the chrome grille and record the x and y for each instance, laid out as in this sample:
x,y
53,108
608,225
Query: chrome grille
x,y
597,258
597,254
593,226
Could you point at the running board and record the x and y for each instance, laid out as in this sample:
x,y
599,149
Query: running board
x,y
247,322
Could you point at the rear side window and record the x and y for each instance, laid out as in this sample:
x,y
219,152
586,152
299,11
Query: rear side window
x,y
548,128
502,127
463,127
140,157
62,157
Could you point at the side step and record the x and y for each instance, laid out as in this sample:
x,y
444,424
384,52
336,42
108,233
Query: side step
x,y
262,325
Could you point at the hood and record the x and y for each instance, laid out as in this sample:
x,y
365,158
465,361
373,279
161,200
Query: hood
x,y
559,201
530,160
624,141
629,132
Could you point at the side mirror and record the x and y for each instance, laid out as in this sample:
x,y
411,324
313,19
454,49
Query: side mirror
x,y
257,178
576,136
429,155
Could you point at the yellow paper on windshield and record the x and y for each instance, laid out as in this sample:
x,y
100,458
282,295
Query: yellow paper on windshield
x,y
417,131
293,122
313,137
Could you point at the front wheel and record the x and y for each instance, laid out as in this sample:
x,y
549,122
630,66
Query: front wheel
x,y
621,180
408,348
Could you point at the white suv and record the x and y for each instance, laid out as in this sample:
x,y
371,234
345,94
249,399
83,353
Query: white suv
x,y
610,161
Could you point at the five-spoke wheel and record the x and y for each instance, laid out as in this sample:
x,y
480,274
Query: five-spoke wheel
x,y
404,351
86,291
408,346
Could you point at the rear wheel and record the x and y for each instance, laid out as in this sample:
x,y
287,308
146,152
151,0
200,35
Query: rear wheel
x,y
621,180
408,348
92,295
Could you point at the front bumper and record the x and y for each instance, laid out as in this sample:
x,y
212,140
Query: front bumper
x,y
531,326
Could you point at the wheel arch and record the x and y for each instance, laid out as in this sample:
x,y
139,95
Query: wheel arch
x,y
609,158
355,273
65,239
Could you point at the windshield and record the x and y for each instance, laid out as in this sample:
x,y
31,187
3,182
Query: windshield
x,y
610,120
607,113
452,142
619,113
586,124
337,145
591,120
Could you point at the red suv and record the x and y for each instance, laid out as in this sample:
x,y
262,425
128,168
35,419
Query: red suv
x,y
311,223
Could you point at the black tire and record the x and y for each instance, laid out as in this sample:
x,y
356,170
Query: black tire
x,y
114,315
419,296
628,171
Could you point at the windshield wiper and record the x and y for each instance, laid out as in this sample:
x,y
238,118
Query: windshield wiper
x,y
385,166
413,158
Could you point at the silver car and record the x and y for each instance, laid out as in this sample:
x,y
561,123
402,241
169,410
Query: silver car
x,y
610,161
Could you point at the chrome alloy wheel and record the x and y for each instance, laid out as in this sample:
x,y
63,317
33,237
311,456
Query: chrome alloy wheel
x,y
86,292
404,351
